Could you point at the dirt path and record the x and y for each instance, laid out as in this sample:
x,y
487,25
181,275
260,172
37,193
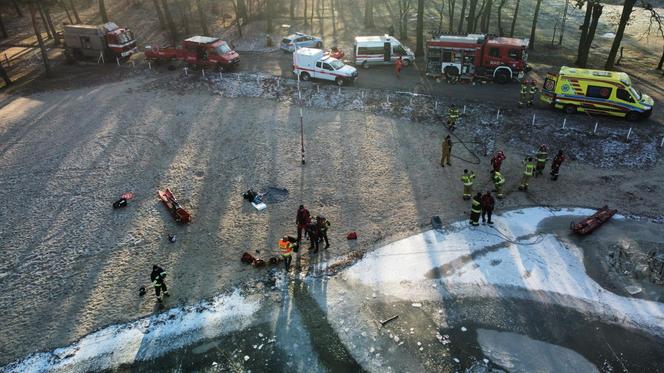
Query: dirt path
x,y
71,264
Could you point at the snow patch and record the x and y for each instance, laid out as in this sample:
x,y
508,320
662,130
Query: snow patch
x,y
146,338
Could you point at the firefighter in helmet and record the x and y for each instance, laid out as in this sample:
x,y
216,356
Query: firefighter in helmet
x,y
452,117
523,97
532,91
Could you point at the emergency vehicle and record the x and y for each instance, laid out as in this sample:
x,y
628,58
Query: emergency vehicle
x,y
314,63
370,50
94,40
595,92
477,55
200,51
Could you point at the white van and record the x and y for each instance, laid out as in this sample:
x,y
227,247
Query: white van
x,y
314,63
368,50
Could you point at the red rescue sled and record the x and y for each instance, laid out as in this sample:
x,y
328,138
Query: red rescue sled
x,y
591,223
181,215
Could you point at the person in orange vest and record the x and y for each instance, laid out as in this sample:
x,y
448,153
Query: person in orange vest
x,y
397,66
286,249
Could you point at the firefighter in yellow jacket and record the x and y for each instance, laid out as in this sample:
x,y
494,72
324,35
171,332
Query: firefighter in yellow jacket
x,y
467,178
476,209
528,169
532,91
498,182
286,249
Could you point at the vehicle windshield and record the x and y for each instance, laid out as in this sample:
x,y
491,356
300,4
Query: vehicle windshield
x,y
336,64
125,37
222,49
636,93
515,54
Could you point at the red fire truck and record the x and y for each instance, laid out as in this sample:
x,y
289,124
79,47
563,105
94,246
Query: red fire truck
x,y
200,51
477,55
108,40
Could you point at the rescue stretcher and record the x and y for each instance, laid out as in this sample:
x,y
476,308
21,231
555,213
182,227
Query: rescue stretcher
x,y
179,214
593,222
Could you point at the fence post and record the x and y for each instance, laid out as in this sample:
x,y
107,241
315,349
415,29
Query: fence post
x,y
498,114
533,123
186,71
629,133
564,122
595,129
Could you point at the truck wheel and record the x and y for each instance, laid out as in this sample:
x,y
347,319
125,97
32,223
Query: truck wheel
x,y
339,81
452,74
569,109
405,62
633,116
501,78
319,45
219,68
305,76
69,56
365,64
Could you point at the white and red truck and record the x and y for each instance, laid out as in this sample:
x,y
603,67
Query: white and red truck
x,y
477,55
314,63
107,40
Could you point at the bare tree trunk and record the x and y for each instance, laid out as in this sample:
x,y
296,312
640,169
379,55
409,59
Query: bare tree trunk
x,y
661,61
462,16
102,11
516,14
313,6
49,22
17,8
237,17
584,31
450,6
3,30
202,17
596,13
291,11
43,18
562,27
64,7
169,20
368,14
501,32
470,27
486,20
531,45
306,12
268,14
624,18
183,17
40,41
441,12
73,9
160,15
419,29
479,13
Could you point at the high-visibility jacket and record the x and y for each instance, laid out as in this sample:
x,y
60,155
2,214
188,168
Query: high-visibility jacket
x,y
476,206
524,89
498,179
286,247
467,179
528,169
533,90
541,156
453,113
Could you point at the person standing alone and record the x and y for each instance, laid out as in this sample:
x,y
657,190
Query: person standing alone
x,y
555,165
157,277
398,65
447,151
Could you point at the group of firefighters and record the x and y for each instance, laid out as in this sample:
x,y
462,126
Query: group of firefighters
x,y
484,204
527,93
315,230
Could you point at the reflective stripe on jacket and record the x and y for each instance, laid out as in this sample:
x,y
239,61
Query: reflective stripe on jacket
x,y
468,179
541,156
476,206
528,171
286,247
498,179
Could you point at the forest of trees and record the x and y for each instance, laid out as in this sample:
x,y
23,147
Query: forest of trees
x,y
181,17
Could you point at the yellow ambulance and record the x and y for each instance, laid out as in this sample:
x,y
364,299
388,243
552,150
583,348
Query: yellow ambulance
x,y
595,92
